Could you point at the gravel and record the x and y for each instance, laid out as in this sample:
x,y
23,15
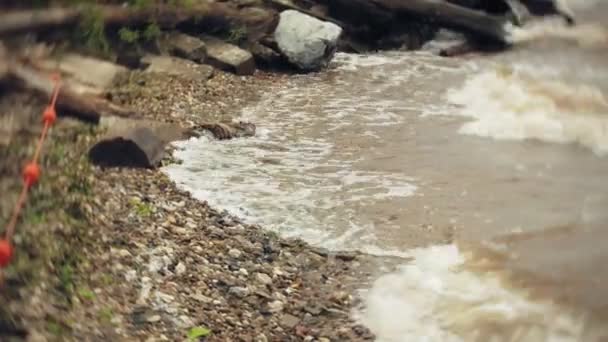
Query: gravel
x,y
151,262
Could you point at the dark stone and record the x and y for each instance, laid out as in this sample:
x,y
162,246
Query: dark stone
x,y
133,143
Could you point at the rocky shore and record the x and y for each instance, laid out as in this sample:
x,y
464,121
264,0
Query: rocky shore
x,y
130,257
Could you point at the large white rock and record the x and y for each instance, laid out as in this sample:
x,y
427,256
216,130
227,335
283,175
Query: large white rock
x,y
307,42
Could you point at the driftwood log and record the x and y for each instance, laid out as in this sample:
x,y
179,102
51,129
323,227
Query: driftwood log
x,y
229,130
86,108
21,21
373,12
452,16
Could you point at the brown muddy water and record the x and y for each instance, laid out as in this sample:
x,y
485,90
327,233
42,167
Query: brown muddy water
x,y
490,173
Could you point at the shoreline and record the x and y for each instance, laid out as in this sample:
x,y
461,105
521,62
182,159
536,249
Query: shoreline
x,y
152,263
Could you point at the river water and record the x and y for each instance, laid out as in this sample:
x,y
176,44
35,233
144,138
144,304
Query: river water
x,y
487,175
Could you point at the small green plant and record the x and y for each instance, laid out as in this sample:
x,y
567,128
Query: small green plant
x,y
198,332
54,328
134,37
142,209
66,277
237,34
35,217
80,186
128,36
151,32
92,30
141,3
57,154
105,315
86,294
107,279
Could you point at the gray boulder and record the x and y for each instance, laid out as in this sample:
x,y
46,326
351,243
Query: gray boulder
x,y
307,42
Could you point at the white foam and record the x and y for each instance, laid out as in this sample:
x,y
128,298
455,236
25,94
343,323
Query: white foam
x,y
508,104
297,176
433,299
587,35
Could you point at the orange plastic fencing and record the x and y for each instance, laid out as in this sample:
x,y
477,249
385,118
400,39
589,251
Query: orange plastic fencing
x,y
31,174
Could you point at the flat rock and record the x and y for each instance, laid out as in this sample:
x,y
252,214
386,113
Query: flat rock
x,y
228,57
307,42
90,75
176,66
238,291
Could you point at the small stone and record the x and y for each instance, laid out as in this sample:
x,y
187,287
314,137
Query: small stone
x,y
279,296
235,253
339,297
243,272
153,319
186,321
203,299
289,321
343,331
130,275
180,230
261,338
324,339
180,269
263,278
275,306
167,298
123,253
238,291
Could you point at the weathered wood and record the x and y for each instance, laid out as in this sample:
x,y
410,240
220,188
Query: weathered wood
x,y
23,21
87,108
36,20
452,16
229,130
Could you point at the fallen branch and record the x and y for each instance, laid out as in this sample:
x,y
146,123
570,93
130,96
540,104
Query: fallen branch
x,y
453,16
87,108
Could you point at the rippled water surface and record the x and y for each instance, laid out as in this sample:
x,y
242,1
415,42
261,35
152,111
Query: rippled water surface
x,y
482,170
